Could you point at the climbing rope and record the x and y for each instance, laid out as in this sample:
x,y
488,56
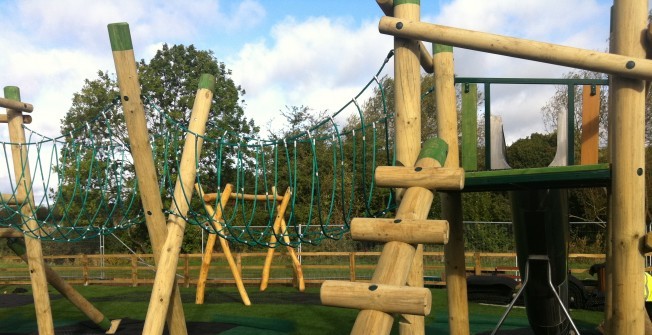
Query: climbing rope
x,y
84,182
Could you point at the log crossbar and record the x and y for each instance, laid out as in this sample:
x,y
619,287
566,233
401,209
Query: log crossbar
x,y
211,197
443,179
12,199
625,66
385,298
10,233
27,119
407,231
18,106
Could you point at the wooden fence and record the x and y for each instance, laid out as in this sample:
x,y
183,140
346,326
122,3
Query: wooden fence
x,y
138,269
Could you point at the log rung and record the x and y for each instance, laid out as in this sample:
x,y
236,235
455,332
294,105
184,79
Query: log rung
x,y
27,119
432,178
11,199
211,197
16,105
378,297
401,230
10,233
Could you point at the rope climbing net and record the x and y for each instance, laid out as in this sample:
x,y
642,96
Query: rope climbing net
x,y
84,184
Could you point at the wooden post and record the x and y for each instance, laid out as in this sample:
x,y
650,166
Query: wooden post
x,y
451,202
216,215
276,228
352,266
164,281
628,172
69,292
150,194
134,270
23,179
477,268
590,124
397,258
521,48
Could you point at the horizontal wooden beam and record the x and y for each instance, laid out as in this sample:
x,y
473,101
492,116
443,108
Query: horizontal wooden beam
x,y
211,197
16,105
27,119
378,297
432,178
10,233
11,199
425,56
629,67
411,231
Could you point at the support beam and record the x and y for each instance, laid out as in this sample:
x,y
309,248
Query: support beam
x,y
628,66
407,231
11,199
216,215
441,179
425,58
27,119
378,297
451,203
627,205
211,197
141,150
16,105
165,279
10,233
23,178
66,290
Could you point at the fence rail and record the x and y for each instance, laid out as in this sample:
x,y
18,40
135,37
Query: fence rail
x,y
138,269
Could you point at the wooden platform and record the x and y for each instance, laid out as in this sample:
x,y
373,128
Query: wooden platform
x,y
576,176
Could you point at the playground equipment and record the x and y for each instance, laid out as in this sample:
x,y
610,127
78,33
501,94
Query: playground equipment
x,y
399,272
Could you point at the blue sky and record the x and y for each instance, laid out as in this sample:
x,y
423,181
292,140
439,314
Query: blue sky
x,y
316,53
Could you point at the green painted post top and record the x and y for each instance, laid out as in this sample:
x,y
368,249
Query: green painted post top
x,y
12,93
120,36
434,148
402,2
207,81
437,48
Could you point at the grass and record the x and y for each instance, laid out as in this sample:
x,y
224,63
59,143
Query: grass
x,y
277,303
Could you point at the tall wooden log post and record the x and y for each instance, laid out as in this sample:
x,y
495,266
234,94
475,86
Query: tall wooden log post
x,y
23,179
397,258
165,279
407,100
451,202
628,172
141,150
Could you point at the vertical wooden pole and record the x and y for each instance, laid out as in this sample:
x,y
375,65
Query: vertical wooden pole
x,y
407,100
628,172
164,281
23,185
590,124
150,194
451,202
407,92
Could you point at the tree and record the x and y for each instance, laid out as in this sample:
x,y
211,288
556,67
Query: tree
x,y
169,82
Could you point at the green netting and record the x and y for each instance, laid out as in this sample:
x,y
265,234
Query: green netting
x,y
84,182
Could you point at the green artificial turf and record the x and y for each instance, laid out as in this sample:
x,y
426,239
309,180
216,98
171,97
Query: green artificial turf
x,y
279,310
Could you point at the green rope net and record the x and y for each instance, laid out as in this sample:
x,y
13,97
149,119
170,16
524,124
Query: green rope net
x,y
83,183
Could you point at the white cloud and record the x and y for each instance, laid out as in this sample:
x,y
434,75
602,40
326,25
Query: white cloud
x,y
320,63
